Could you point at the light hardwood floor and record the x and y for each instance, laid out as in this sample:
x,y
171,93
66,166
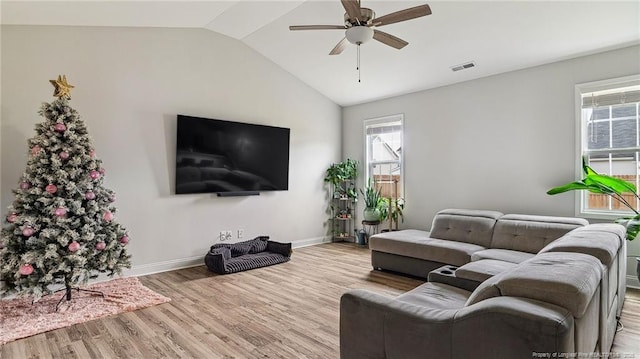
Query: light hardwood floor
x,y
289,310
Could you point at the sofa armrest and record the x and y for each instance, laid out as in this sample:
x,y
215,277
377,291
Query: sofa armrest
x,y
512,327
379,326
280,248
216,258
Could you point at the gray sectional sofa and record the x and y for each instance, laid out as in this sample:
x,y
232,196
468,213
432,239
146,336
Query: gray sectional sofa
x,y
499,286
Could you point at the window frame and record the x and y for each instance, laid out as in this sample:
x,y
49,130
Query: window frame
x,y
379,120
582,135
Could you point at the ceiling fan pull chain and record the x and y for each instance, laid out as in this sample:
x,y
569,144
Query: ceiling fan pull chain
x,y
358,64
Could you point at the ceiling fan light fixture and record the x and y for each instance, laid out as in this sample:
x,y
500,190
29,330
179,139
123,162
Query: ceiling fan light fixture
x,y
358,35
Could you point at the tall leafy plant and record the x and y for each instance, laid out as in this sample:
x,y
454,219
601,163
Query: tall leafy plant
x,y
610,186
396,206
371,195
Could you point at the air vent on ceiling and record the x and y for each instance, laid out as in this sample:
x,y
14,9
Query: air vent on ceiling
x,y
467,65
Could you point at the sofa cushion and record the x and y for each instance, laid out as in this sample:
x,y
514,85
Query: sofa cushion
x,y
601,240
465,225
529,233
483,269
381,241
569,280
487,289
436,295
417,244
504,255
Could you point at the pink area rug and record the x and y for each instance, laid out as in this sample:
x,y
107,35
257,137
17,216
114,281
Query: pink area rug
x,y
20,319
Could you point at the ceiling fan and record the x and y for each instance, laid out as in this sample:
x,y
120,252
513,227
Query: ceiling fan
x,y
360,23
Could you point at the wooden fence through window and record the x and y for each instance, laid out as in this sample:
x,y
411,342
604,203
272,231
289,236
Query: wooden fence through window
x,y
387,185
601,201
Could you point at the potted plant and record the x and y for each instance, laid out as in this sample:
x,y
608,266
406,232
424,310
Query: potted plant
x,y
339,172
613,187
391,209
372,200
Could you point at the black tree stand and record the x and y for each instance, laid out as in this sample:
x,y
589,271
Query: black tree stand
x,y
68,288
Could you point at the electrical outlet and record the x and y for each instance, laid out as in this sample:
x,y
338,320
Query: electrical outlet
x,y
240,233
225,235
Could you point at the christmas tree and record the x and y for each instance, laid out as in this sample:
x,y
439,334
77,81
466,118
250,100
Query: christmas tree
x,y
61,227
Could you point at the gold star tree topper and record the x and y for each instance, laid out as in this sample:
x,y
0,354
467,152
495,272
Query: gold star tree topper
x,y
62,87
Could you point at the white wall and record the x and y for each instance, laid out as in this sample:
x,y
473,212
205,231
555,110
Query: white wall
x,y
498,142
130,84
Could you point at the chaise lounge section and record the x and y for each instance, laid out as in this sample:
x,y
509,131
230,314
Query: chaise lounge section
x,y
459,236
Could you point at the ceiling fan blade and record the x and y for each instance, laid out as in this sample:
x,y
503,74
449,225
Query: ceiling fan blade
x,y
389,39
403,15
339,47
317,27
353,9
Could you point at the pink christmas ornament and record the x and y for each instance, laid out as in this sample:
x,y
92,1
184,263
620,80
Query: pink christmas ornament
x,y
28,231
26,269
112,198
35,150
12,218
51,188
94,174
124,239
74,246
64,155
89,195
60,127
102,171
60,211
101,246
25,185
92,153
108,216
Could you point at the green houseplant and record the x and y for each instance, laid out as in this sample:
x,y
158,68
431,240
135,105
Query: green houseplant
x,y
391,209
613,187
372,199
339,172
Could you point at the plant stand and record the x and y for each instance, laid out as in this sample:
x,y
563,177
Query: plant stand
x,y
370,228
342,212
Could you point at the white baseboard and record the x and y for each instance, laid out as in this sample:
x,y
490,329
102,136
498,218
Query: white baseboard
x,y
311,242
164,266
174,264
632,282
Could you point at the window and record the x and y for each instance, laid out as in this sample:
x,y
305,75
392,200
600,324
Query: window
x,y
609,113
383,141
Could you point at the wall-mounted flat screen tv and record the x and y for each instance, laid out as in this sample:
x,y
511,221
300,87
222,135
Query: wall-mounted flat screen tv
x,y
225,157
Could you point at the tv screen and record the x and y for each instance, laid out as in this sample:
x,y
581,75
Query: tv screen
x,y
230,157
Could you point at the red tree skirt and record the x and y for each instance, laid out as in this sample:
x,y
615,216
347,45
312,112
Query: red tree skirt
x,y
20,319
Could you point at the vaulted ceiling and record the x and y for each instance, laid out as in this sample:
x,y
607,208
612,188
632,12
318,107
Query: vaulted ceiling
x,y
497,36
